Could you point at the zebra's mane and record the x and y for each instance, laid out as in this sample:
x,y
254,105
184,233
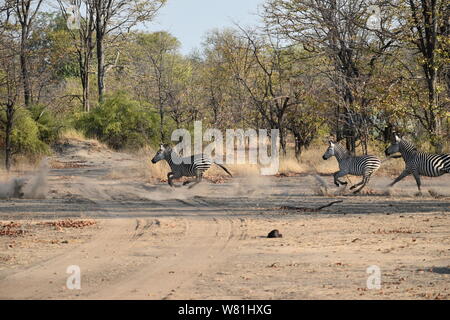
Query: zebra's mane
x,y
408,145
169,150
342,149
173,153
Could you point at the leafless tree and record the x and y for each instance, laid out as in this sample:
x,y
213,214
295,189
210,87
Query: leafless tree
x,y
114,18
26,11
84,42
10,80
425,24
336,30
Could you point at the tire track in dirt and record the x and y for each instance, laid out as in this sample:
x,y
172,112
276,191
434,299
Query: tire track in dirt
x,y
205,244
47,279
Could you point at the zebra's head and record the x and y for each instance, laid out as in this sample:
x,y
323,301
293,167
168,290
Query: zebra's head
x,y
394,147
162,154
330,151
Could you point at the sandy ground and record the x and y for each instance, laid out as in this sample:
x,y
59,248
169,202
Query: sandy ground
x,y
138,240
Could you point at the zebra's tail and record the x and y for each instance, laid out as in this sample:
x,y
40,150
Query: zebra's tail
x,y
225,169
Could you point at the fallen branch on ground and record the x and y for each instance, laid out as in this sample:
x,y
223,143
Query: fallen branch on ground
x,y
303,209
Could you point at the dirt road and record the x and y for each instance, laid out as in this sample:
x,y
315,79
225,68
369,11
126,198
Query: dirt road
x,y
149,241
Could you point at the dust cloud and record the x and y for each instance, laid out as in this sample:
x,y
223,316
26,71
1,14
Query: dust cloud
x,y
37,186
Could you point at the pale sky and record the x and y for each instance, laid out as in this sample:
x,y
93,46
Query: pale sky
x,y
189,20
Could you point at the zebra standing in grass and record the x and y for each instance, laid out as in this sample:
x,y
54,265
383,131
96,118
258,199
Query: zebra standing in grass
x,y
418,163
358,166
193,166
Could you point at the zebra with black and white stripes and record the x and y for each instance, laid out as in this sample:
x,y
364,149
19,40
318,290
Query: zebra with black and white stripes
x,y
418,163
193,166
354,165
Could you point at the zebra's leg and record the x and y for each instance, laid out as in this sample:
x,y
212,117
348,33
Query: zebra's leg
x,y
417,177
358,184
198,179
363,182
402,175
336,176
169,179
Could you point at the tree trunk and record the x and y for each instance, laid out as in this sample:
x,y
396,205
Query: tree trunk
x,y
388,133
100,67
24,68
85,84
99,27
8,131
282,139
161,125
298,147
83,61
85,56
434,120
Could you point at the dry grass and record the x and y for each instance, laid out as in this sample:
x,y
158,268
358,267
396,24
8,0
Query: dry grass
x,y
391,167
152,172
313,163
73,134
289,166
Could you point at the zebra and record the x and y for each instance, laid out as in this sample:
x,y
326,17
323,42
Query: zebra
x,y
418,163
185,167
358,166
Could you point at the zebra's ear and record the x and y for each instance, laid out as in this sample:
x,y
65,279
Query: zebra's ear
x,y
397,138
162,147
331,143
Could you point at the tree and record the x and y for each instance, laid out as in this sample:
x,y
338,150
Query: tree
x,y
9,80
154,64
425,25
84,42
336,29
223,96
26,11
113,18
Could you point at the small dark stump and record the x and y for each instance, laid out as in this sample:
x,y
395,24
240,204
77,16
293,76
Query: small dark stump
x,y
274,234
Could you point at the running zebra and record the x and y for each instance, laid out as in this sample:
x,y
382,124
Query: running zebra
x,y
418,163
357,166
193,166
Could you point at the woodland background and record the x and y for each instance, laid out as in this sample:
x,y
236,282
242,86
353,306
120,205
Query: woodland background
x,y
354,70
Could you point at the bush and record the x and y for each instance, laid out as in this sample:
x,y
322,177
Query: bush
x,y
25,137
49,126
119,122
